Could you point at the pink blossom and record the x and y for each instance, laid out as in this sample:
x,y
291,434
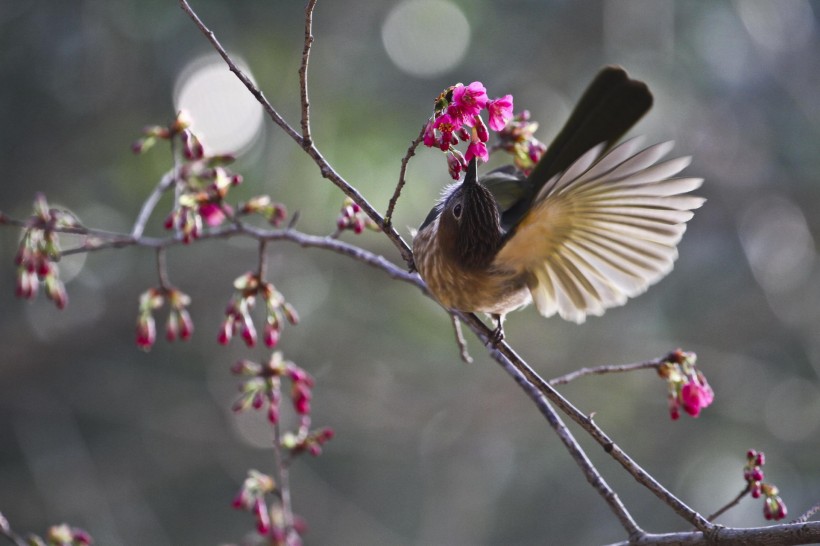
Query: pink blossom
x,y
212,213
695,397
447,124
468,101
477,149
501,111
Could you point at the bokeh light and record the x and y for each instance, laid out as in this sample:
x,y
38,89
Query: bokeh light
x,y
426,37
226,117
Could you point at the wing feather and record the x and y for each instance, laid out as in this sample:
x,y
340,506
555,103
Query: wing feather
x,y
602,231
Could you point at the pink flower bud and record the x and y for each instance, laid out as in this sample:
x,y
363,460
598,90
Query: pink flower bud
x,y
301,398
225,331
146,332
271,335
760,459
172,326
260,510
248,332
273,413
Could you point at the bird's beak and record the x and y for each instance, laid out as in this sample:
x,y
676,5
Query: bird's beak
x,y
471,175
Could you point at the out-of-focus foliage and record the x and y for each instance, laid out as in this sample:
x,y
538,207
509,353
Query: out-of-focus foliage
x,y
142,448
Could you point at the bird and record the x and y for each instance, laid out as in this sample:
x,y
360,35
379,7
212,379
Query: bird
x,y
594,223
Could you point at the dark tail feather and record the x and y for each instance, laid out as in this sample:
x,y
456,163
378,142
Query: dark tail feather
x,y
609,107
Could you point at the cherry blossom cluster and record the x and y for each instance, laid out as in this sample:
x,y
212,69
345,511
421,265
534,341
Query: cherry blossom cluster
x,y
270,519
202,181
688,387
457,118
352,217
773,506
39,251
179,324
238,318
517,138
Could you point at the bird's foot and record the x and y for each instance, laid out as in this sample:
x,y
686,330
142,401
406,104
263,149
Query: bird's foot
x,y
497,335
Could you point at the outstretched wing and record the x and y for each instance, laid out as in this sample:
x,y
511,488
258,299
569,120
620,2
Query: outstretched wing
x,y
602,231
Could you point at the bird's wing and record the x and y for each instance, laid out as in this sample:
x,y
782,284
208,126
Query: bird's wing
x,y
602,231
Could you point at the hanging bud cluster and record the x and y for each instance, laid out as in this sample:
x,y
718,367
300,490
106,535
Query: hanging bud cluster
x,y
352,217
773,506
688,387
202,181
517,138
179,324
238,318
270,519
39,251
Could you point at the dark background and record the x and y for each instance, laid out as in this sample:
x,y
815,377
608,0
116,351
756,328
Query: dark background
x,y
143,448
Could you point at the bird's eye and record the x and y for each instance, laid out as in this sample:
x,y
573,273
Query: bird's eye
x,y
457,211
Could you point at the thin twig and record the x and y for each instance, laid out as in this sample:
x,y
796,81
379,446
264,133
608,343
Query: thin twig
x,y
162,270
460,341
150,203
261,271
599,370
411,151
731,504
303,70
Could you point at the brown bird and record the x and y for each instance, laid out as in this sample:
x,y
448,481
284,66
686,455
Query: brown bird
x,y
592,225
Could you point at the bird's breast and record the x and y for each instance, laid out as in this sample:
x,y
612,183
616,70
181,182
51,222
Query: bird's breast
x,y
487,290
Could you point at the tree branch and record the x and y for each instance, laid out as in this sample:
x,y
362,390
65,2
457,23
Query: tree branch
x,y
786,534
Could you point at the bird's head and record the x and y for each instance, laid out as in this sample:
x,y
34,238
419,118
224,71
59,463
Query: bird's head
x,y
468,227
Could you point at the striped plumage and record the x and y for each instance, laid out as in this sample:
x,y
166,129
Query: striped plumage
x,y
584,234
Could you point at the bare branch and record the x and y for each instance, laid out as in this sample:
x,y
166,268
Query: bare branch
x,y
786,534
600,370
303,85
460,341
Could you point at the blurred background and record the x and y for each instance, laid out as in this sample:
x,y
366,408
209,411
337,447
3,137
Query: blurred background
x,y
143,448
